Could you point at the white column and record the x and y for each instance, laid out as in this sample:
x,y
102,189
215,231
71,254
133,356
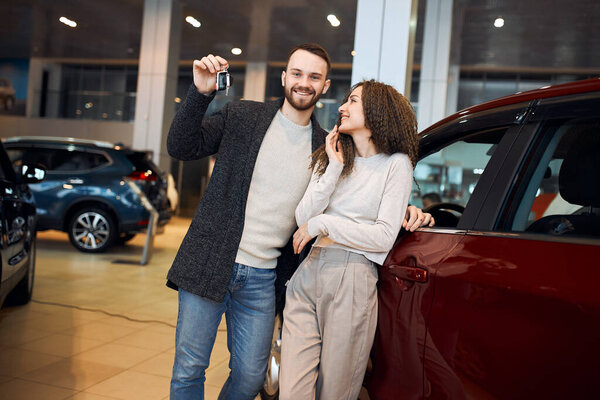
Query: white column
x,y
255,81
157,77
433,84
384,42
34,87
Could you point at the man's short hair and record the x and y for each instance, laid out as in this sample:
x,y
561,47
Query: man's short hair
x,y
433,197
314,48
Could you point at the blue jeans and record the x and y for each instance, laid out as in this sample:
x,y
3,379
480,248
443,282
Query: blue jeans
x,y
249,308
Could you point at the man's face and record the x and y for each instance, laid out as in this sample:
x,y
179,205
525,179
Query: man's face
x,y
305,80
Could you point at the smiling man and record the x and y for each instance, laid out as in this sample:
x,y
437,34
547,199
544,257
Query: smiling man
x,y
237,254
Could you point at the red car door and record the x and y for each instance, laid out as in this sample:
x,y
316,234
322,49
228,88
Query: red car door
x,y
516,308
459,164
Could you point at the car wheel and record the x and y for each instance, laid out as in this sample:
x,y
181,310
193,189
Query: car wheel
x,y
21,294
270,390
92,230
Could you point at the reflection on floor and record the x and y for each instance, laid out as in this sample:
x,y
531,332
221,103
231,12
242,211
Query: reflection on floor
x,y
81,336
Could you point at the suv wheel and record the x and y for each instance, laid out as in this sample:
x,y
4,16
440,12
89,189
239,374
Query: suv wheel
x,y
92,230
21,294
270,390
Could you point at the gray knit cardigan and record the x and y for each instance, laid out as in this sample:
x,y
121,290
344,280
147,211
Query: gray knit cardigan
x,y
204,263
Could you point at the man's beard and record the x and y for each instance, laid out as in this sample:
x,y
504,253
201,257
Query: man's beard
x,y
301,106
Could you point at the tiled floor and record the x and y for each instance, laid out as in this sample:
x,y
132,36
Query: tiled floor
x,y
98,329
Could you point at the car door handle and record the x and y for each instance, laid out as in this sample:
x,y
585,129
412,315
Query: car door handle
x,y
75,181
413,274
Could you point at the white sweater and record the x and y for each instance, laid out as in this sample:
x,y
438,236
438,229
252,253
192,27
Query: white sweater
x,y
363,212
280,176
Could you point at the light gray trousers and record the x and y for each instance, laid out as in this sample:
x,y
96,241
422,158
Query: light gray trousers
x,y
329,324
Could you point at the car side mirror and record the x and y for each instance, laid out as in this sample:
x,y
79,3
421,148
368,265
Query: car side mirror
x,y
32,173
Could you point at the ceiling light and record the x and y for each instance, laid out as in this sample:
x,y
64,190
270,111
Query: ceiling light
x,y
333,20
499,22
68,22
353,53
236,51
193,21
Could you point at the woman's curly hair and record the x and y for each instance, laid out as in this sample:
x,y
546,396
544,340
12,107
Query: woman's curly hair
x,y
390,118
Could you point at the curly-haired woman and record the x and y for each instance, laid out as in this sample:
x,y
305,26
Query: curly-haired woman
x,y
354,205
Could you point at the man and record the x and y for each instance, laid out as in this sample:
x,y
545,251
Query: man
x,y
430,199
237,239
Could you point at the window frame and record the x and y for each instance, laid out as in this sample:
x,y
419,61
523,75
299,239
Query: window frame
x,y
524,159
509,117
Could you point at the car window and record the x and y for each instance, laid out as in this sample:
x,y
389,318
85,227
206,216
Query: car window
x,y
66,160
562,196
446,179
57,160
141,161
25,155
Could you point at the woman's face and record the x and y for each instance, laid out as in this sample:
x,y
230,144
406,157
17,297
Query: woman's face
x,y
352,116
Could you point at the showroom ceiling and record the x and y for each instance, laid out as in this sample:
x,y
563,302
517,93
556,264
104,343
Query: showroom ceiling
x,y
536,34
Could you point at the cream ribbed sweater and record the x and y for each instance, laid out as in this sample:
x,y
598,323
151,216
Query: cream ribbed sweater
x,y
363,212
279,180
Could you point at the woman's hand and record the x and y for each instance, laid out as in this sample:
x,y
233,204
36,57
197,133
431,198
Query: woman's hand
x,y
415,218
205,72
301,237
333,149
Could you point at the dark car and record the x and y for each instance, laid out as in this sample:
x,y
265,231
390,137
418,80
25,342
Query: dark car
x,y
499,299
17,231
87,192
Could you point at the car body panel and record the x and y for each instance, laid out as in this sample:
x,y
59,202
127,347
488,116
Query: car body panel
x,y
505,313
404,307
495,295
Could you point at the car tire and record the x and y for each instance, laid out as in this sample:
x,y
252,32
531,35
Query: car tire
x,y
92,230
21,294
270,390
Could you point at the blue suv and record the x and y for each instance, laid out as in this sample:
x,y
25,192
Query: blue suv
x,y
87,190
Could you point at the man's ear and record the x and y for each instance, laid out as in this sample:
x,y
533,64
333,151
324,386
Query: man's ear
x,y
283,78
326,87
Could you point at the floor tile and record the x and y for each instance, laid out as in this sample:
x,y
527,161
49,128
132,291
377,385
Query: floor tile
x,y
117,355
89,396
161,365
148,340
16,362
62,345
18,389
73,374
100,330
133,385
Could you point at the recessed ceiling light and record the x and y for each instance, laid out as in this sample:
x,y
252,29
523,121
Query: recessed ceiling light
x,y
333,20
499,22
68,22
193,21
236,51
353,53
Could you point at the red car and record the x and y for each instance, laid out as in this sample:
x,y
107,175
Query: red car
x,y
499,299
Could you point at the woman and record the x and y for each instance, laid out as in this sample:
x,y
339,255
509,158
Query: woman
x,y
354,205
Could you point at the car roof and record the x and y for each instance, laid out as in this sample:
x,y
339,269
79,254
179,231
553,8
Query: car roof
x,y
588,85
63,140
